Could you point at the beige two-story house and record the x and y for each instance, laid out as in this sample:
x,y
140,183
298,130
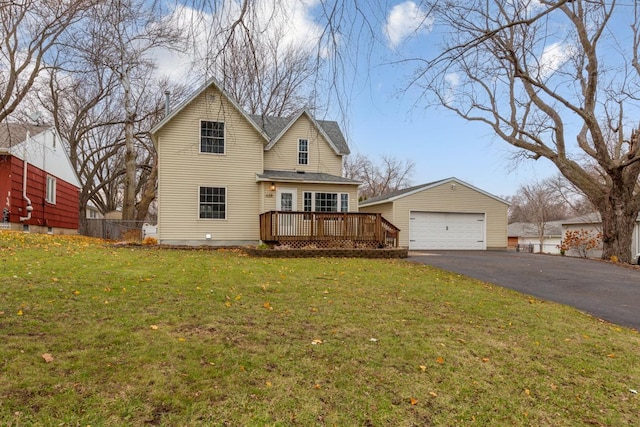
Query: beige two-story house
x,y
221,168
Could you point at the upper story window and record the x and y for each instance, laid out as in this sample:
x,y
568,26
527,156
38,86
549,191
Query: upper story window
x,y
211,137
303,151
51,190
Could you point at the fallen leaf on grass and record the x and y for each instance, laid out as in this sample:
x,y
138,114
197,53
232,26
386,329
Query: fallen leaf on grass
x,y
267,305
440,360
414,401
316,342
268,384
154,327
47,357
19,313
423,368
433,394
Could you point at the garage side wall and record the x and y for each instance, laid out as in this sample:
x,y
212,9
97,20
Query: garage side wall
x,y
386,209
454,198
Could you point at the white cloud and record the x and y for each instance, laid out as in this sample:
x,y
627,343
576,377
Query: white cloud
x,y
289,21
406,19
553,57
453,81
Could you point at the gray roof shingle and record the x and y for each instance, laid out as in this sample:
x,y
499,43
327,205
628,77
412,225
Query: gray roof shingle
x,y
271,175
527,229
15,133
273,125
399,192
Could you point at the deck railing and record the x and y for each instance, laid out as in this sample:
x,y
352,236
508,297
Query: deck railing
x,y
324,227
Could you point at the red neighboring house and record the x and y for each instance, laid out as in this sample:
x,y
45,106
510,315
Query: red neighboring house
x,y
47,201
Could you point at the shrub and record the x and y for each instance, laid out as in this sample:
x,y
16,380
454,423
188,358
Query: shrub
x,y
582,241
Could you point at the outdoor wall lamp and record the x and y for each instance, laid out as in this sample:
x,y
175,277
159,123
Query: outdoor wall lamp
x,y
273,186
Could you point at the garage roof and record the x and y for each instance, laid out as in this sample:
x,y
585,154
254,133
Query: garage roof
x,y
395,195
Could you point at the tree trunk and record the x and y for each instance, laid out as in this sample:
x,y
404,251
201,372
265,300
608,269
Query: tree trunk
x,y
148,194
129,199
618,220
617,232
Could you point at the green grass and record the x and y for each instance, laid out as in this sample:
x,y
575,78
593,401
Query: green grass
x,y
143,336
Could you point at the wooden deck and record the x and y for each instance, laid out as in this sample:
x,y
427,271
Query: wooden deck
x,y
328,229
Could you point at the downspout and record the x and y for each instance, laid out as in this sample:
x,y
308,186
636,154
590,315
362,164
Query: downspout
x,y
24,182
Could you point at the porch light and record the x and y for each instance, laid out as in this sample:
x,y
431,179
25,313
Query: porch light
x,y
272,187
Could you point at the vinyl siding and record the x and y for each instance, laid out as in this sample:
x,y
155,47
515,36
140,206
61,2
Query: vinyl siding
x,y
443,198
284,154
183,169
386,209
351,189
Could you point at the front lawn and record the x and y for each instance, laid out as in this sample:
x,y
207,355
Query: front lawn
x,y
100,335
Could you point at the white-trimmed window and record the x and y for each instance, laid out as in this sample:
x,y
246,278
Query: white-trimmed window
x,y
51,190
213,202
344,202
303,151
325,202
307,204
211,137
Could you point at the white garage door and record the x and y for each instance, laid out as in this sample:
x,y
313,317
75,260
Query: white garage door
x,y
438,230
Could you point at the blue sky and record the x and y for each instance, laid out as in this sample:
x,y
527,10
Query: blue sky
x,y
440,144
385,118
381,118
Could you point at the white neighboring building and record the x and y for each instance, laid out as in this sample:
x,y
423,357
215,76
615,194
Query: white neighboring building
x,y
93,212
593,224
528,234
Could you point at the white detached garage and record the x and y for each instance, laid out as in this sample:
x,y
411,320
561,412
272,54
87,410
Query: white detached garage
x,y
444,215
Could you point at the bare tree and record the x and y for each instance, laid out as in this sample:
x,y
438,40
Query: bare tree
x,y
89,102
554,80
123,35
575,201
29,32
265,76
389,175
250,48
538,204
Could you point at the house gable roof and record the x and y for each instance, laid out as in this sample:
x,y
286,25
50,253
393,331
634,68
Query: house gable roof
x,y
51,156
211,82
15,133
271,128
395,195
276,127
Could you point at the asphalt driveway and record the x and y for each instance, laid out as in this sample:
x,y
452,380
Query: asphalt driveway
x,y
601,289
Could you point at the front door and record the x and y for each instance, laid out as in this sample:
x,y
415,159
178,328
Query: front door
x,y
286,202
